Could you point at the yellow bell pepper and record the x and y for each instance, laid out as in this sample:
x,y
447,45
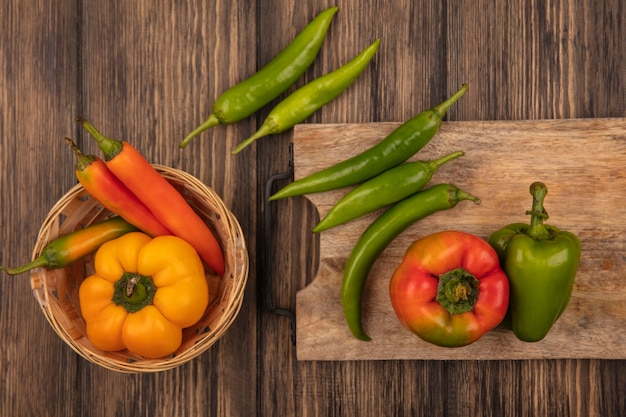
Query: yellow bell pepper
x,y
143,292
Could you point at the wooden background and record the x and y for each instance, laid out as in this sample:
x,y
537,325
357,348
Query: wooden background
x,y
148,72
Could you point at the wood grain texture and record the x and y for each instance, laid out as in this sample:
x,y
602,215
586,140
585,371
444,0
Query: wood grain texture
x,y
149,72
580,160
140,63
38,81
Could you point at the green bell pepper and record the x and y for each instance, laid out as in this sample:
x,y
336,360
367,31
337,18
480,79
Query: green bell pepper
x,y
541,263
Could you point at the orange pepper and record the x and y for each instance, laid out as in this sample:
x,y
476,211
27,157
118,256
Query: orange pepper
x,y
168,205
105,187
143,293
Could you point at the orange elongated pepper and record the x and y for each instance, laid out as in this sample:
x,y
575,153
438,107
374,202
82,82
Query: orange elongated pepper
x,y
105,187
167,204
70,247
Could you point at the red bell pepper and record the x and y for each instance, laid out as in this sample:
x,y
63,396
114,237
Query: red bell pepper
x,y
449,289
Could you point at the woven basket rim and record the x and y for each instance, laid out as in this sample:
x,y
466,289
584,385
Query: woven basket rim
x,y
53,289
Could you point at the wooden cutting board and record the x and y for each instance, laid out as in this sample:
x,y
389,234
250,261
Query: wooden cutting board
x,y
583,163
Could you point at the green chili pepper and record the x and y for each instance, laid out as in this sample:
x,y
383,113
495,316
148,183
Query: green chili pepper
x,y
309,98
380,234
541,262
69,248
243,99
394,149
384,189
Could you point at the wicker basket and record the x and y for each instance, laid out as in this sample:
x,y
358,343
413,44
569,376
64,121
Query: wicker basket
x,y
57,290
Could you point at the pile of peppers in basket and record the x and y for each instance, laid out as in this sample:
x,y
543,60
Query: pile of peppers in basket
x,y
149,285
148,257
245,98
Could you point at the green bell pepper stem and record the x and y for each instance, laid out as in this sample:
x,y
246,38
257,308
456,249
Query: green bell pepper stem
x,y
537,229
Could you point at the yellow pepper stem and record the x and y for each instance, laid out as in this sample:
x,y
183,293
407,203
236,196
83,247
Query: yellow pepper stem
x,y
134,292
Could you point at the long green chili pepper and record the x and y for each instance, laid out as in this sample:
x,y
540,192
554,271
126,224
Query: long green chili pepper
x,y
380,234
394,149
309,98
243,99
387,188
71,247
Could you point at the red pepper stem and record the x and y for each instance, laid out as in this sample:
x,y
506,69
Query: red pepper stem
x,y
457,291
538,214
442,108
82,160
109,147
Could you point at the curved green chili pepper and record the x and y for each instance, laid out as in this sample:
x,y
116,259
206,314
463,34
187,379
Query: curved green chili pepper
x,y
394,149
387,188
312,96
380,234
66,249
243,99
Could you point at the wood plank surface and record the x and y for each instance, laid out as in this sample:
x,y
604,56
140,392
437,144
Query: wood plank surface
x,y
149,72
141,61
581,162
38,79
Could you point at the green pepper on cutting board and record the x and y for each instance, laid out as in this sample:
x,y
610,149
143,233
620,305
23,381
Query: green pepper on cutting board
x,y
541,263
